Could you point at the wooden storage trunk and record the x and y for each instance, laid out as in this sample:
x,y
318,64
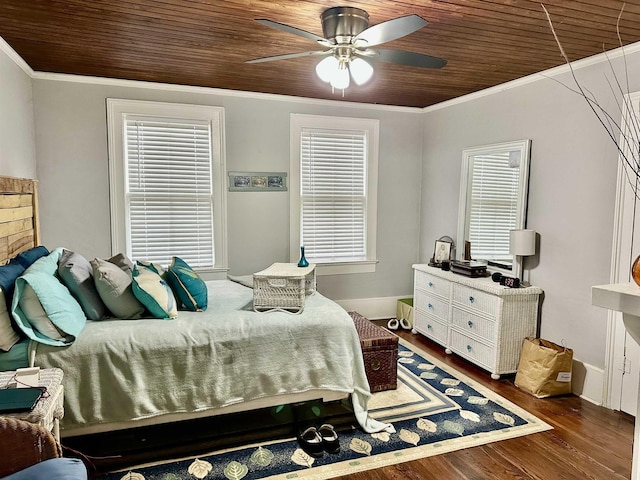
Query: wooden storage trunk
x,y
380,352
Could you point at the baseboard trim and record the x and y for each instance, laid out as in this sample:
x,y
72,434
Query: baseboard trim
x,y
372,308
588,382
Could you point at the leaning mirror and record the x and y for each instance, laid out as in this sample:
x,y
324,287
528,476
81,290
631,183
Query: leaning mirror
x,y
493,200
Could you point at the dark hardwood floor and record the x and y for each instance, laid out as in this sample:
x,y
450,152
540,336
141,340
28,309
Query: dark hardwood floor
x,y
587,441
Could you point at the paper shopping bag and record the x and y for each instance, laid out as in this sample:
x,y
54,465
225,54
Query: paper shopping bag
x,y
545,368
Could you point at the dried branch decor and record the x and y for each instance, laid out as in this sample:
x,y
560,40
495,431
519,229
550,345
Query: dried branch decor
x,y
624,133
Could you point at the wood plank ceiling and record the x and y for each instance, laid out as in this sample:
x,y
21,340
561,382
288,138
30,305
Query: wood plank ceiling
x,y
207,42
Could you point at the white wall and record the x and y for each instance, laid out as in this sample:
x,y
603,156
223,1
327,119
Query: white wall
x,y
17,145
571,191
74,189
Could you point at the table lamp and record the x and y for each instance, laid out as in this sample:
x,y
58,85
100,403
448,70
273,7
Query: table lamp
x,y
522,243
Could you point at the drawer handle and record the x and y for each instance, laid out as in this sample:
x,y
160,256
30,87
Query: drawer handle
x,y
470,323
429,326
468,348
471,299
430,306
431,284
375,365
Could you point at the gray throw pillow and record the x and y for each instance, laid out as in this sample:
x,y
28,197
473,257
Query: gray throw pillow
x,y
123,262
77,275
114,288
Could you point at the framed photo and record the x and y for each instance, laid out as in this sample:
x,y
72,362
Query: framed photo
x,y
257,182
442,251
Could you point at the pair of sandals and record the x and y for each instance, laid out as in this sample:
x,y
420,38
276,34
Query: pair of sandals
x,y
315,441
394,324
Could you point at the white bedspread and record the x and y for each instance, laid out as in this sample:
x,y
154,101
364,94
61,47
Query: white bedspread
x,y
123,370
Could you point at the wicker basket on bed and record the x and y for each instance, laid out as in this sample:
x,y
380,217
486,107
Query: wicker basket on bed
x,y
283,286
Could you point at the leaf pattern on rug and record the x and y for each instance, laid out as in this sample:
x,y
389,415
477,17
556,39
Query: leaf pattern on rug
x,y
382,436
200,468
454,392
133,476
468,415
503,418
235,470
450,382
426,366
429,375
475,400
360,446
409,436
300,457
453,427
407,361
427,425
405,353
262,457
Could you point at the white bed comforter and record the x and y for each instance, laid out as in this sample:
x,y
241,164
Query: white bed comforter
x,y
124,370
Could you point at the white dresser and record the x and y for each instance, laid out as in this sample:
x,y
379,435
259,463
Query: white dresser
x,y
475,318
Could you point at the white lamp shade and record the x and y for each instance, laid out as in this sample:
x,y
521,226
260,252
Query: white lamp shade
x,y
361,71
522,242
340,78
327,68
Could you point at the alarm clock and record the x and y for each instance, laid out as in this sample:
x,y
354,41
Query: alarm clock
x,y
510,282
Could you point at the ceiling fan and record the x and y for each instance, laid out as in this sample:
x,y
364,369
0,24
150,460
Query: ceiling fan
x,y
348,40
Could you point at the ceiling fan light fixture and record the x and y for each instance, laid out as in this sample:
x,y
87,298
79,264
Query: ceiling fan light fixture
x,y
327,68
340,78
360,70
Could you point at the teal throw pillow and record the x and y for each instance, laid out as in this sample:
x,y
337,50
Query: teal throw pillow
x,y
153,292
187,285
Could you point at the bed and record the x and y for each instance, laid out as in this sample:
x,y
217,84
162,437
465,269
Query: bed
x,y
123,373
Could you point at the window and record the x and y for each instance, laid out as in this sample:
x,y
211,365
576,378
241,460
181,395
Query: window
x,y
166,164
334,164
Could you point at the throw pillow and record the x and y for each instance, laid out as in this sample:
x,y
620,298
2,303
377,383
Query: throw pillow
x,y
8,336
63,318
114,288
8,275
123,262
28,257
187,285
77,275
153,292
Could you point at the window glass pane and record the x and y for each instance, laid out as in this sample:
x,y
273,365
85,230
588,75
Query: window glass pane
x,y
333,194
169,190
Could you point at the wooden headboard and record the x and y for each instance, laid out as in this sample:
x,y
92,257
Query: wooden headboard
x,y
19,226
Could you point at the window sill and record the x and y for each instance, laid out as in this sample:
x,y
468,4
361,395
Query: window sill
x,y
346,268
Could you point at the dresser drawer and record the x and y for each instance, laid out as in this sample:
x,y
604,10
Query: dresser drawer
x,y
432,305
432,284
475,299
479,326
431,327
476,351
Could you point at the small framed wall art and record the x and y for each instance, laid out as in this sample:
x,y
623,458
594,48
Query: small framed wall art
x,y
257,182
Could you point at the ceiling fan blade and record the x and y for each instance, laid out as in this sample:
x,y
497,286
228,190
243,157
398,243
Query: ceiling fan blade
x,y
390,30
288,55
294,30
408,58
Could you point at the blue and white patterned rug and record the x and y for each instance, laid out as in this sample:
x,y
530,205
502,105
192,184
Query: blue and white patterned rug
x,y
434,410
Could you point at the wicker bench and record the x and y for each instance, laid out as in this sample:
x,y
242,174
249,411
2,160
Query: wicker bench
x,y
380,353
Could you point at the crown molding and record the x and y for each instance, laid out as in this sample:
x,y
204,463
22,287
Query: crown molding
x,y
17,59
544,75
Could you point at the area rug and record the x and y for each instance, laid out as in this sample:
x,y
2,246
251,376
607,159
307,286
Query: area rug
x,y
435,410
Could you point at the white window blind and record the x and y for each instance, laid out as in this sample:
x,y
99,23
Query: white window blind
x,y
333,192
494,204
169,205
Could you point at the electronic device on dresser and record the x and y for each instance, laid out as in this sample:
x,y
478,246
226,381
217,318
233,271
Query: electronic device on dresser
x,y
474,318
505,281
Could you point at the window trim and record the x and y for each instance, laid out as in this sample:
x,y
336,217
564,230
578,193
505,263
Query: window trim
x,y
117,109
372,127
